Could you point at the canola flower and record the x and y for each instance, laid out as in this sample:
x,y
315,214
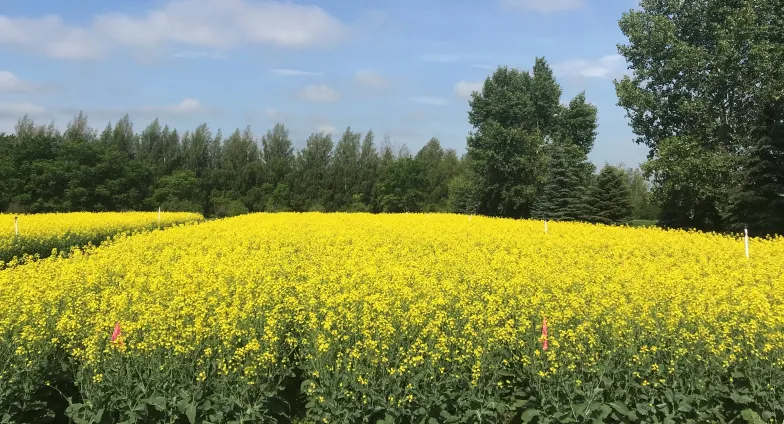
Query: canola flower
x,y
41,233
407,317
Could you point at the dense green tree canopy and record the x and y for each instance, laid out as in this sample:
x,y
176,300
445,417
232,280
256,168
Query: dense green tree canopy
x,y
516,117
703,73
609,201
43,170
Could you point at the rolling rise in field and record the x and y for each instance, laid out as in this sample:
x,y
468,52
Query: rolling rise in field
x,y
402,317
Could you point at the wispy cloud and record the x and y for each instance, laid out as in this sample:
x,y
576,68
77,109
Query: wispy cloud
x,y
326,128
463,89
197,55
427,100
371,79
185,107
543,6
295,72
605,67
11,110
319,94
482,66
10,83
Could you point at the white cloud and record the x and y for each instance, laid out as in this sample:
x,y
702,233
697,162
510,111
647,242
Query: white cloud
x,y
9,110
185,107
543,6
482,66
271,112
196,55
319,94
371,79
10,83
294,72
435,101
326,128
51,37
463,89
606,67
211,24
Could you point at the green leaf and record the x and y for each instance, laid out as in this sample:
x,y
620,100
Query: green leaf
x,y
751,417
685,408
529,415
621,408
582,409
159,402
388,419
643,408
741,399
190,412
606,411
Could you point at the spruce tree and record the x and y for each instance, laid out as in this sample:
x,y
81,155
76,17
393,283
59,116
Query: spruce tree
x,y
610,198
563,196
758,202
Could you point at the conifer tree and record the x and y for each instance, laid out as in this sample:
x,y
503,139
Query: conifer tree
x,y
610,199
758,202
563,196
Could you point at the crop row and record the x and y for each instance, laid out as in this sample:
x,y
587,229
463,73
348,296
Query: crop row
x,y
39,234
397,318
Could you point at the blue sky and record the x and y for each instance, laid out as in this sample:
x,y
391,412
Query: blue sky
x,y
402,68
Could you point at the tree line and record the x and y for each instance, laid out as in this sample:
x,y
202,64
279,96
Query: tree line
x,y
117,169
704,92
527,158
44,170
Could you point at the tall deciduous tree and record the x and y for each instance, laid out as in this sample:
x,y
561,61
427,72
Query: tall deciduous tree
x,y
400,186
703,71
506,147
640,192
439,167
278,155
577,123
368,169
314,163
515,117
346,170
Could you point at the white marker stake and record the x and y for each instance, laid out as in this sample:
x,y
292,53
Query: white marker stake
x,y
746,241
545,226
159,217
16,225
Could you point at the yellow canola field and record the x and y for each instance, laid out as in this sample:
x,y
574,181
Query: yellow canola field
x,y
402,314
40,233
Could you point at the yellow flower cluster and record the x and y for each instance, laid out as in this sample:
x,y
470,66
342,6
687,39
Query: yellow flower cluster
x,y
40,233
402,305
